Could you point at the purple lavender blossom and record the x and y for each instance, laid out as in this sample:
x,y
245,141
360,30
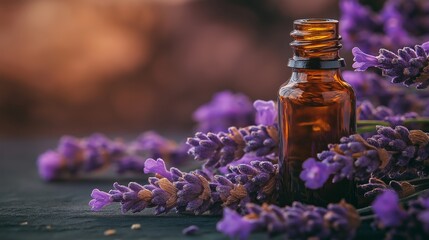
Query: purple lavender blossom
x,y
69,147
406,20
402,222
371,87
406,154
150,144
194,193
129,164
386,208
224,110
409,66
396,23
299,221
234,225
49,165
266,112
100,200
360,26
81,155
157,166
362,60
314,173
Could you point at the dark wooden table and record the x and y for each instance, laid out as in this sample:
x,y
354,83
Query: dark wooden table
x,y
33,209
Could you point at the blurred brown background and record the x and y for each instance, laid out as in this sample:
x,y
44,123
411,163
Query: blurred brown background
x,y
81,66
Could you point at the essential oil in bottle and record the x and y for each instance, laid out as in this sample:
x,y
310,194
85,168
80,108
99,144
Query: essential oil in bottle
x,y
316,107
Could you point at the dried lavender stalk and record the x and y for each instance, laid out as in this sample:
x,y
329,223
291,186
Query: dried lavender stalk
x,y
223,148
74,156
367,111
299,221
195,192
391,154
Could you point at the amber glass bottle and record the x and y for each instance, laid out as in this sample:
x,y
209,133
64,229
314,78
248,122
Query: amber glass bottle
x,y
316,107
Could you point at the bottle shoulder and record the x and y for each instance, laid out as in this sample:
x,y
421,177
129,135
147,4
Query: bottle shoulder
x,y
312,92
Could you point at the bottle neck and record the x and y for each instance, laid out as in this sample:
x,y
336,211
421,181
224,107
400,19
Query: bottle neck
x,y
316,44
315,75
316,39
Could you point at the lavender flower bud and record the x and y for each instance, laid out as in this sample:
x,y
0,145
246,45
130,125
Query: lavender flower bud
x,y
100,200
266,112
410,66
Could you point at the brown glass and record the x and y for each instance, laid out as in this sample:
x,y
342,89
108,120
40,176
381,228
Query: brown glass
x,y
316,107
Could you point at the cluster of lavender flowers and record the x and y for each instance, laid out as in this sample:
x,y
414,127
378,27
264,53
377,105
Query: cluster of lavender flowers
x,y
224,110
220,149
409,66
196,192
73,155
397,23
391,154
367,111
371,87
299,221
250,178
402,222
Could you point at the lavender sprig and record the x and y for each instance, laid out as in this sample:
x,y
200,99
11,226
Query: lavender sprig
x,y
195,192
223,148
366,111
75,156
266,112
402,222
408,152
299,221
220,149
409,66
391,154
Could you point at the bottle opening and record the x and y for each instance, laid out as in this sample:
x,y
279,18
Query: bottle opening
x,y
315,21
316,39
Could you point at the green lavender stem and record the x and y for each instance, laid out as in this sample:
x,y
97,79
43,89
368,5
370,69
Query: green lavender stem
x,y
365,126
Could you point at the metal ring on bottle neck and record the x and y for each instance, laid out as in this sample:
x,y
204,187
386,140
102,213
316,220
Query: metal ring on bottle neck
x,y
315,63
